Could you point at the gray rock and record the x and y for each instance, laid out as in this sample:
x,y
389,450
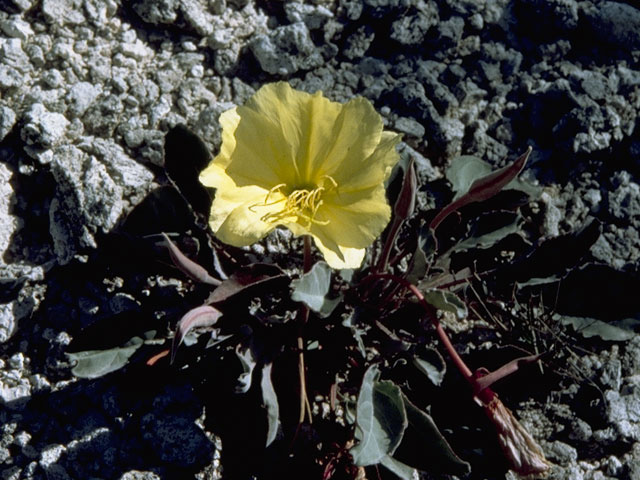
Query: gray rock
x,y
137,475
14,56
286,50
9,77
197,16
632,460
623,413
20,5
561,453
352,8
580,430
624,201
631,358
611,375
8,222
157,11
358,42
7,121
64,12
80,97
16,27
313,16
91,194
616,23
43,129
450,32
409,127
207,126
134,179
410,30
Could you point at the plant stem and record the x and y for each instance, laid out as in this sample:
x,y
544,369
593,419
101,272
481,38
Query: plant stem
x,y
305,407
431,312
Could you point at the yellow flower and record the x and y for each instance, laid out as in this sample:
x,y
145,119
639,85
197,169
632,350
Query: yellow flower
x,y
316,167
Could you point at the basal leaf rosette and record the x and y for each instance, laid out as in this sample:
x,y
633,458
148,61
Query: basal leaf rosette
x,y
301,161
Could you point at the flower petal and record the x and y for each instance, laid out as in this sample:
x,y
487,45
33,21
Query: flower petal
x,y
262,155
243,226
336,256
355,219
355,135
375,169
306,121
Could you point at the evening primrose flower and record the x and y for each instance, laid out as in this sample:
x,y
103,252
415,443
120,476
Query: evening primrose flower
x,y
301,161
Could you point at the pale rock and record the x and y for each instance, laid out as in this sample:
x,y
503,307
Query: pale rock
x,y
43,128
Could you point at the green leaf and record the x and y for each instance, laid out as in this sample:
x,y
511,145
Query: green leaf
x,y
432,365
380,419
270,401
591,327
312,288
400,469
350,321
447,301
430,445
466,169
96,363
480,189
489,239
418,267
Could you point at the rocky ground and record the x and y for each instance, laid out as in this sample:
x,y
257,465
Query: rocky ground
x,y
88,90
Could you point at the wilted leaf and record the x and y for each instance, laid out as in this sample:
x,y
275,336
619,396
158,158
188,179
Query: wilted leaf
x,y
187,266
312,288
432,365
446,301
507,369
380,419
590,327
203,316
257,275
270,401
431,448
96,363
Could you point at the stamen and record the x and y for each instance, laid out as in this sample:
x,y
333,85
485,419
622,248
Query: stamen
x,y
302,203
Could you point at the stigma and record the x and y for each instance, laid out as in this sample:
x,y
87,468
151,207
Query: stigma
x,y
300,204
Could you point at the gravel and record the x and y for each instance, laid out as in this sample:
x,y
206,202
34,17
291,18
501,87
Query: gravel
x,y
89,88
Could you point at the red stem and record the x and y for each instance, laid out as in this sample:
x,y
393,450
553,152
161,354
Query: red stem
x,y
431,313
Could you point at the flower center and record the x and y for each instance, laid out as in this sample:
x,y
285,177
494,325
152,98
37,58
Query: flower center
x,y
302,203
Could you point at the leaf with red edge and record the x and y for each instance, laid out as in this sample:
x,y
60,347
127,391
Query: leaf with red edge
x,y
204,316
187,266
483,188
255,275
